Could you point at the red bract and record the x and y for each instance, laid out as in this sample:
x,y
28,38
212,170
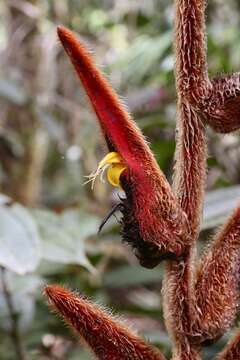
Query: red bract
x,y
201,299
153,222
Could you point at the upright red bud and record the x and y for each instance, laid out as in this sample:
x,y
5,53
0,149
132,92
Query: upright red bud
x,y
109,339
217,286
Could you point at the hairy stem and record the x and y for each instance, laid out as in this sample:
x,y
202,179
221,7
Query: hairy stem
x,y
190,170
190,48
186,352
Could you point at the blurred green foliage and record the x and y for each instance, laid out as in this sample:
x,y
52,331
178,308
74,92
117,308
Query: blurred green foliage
x,y
49,140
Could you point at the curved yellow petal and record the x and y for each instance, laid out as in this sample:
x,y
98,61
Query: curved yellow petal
x,y
114,163
111,158
114,172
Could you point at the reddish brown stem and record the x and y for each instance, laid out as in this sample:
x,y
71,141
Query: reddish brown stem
x,y
190,168
190,49
186,351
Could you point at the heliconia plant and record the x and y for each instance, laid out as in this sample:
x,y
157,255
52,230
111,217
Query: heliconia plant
x,y
159,221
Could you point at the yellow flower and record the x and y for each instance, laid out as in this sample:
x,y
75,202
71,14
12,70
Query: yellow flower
x,y
115,167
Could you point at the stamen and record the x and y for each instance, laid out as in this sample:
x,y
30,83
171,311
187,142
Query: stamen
x,y
114,163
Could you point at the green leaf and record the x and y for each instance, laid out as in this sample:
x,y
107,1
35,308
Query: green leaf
x,y
218,206
131,276
19,239
83,354
22,290
143,55
11,91
63,236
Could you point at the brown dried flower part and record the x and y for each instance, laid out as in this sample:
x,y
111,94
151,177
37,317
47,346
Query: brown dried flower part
x,y
108,338
221,107
232,350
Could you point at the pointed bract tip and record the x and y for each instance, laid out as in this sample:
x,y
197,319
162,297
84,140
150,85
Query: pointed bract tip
x,y
61,30
63,33
49,290
55,292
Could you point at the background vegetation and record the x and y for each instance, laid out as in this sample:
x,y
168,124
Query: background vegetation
x,y
49,139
